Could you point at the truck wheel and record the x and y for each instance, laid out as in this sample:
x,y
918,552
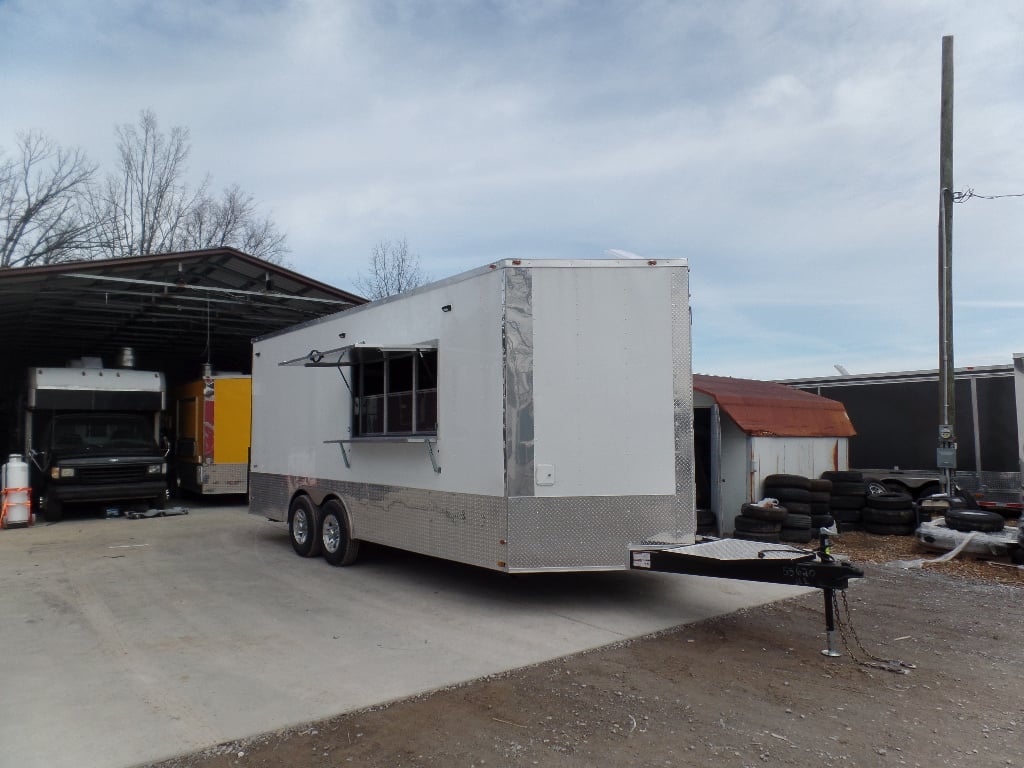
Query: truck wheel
x,y
338,545
54,510
303,526
876,487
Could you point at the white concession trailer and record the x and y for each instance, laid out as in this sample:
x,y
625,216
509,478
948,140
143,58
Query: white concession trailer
x,y
524,416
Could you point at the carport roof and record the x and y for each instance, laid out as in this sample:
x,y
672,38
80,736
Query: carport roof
x,y
762,408
174,310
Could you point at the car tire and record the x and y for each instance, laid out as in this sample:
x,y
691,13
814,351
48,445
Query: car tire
x,y
846,502
744,524
54,512
847,515
768,514
796,520
875,487
765,538
796,535
336,540
788,481
889,516
842,476
882,529
304,526
967,520
849,488
889,500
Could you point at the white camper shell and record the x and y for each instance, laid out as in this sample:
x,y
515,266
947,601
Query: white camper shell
x,y
524,416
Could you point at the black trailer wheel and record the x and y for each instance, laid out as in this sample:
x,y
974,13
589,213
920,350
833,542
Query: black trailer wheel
x,y
335,537
967,520
54,511
303,526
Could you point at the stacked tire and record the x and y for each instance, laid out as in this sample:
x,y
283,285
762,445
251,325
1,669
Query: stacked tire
x,y
794,493
707,524
821,505
759,523
846,498
966,520
889,514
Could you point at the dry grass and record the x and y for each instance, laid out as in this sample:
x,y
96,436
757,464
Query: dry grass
x,y
868,548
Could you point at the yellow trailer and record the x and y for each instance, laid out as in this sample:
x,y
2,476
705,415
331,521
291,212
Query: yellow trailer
x,y
212,419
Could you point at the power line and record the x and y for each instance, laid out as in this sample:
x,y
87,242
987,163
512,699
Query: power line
x,y
963,197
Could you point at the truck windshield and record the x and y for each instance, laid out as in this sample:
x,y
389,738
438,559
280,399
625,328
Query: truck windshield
x,y
97,430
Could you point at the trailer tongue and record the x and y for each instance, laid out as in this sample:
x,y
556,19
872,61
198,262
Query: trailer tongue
x,y
755,561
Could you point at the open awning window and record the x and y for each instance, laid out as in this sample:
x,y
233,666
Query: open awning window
x,y
355,354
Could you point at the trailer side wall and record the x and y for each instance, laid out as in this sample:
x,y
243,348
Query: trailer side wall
x,y
549,454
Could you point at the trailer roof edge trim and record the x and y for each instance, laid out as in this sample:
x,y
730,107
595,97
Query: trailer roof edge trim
x,y
353,354
491,267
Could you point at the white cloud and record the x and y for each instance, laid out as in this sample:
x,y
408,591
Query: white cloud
x,y
788,150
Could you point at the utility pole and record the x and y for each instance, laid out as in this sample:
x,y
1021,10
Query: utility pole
x,y
946,453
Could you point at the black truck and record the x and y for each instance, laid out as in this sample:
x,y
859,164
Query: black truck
x,y
92,434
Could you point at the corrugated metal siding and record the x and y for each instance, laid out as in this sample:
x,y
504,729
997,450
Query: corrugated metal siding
x,y
765,409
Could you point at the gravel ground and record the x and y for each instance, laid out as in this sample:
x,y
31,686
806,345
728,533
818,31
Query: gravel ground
x,y
748,689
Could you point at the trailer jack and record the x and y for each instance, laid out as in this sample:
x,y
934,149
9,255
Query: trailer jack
x,y
753,561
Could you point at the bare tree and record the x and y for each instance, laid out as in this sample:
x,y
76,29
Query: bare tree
x,y
52,209
148,208
234,221
41,195
142,208
392,269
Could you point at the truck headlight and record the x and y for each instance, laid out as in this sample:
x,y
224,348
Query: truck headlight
x,y
59,472
156,469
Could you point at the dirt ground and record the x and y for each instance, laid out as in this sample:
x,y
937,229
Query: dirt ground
x,y
748,689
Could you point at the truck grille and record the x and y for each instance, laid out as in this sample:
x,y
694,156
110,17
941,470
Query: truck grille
x,y
113,473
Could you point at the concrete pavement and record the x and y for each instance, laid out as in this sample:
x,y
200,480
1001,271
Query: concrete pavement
x,y
129,641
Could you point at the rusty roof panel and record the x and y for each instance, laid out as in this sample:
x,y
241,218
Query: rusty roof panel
x,y
762,408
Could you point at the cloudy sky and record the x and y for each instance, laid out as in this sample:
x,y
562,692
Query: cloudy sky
x,y
787,149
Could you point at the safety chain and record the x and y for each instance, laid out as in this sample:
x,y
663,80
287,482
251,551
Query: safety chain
x,y
844,620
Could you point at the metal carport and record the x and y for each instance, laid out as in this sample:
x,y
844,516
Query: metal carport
x,y
176,312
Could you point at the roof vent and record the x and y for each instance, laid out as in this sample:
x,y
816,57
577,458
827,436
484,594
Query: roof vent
x,y
126,358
